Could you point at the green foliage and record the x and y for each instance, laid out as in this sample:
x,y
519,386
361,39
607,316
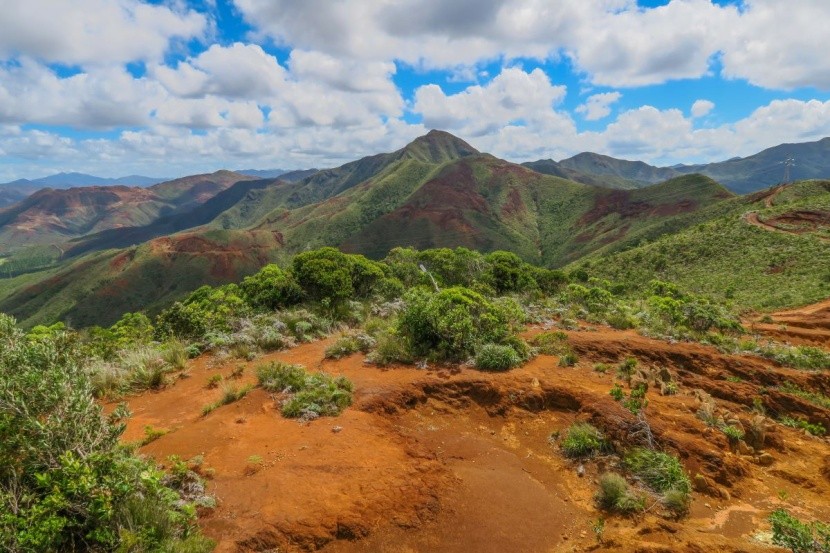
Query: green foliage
x,y
733,433
350,343
451,324
583,440
814,429
280,377
327,275
816,398
616,495
308,395
798,536
230,394
663,473
568,359
271,288
496,357
321,395
617,393
626,368
65,483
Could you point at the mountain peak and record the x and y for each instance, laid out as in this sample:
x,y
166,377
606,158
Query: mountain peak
x,y
438,147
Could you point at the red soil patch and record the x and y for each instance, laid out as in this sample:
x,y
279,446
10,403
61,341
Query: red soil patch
x,y
453,459
808,325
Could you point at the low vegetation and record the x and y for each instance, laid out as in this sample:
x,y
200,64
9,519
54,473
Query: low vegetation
x,y
798,536
305,395
583,440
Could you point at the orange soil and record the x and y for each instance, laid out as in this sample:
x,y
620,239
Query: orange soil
x,y
456,460
808,325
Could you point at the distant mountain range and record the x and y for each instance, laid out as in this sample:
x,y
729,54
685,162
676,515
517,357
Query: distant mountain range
x,y
88,254
741,175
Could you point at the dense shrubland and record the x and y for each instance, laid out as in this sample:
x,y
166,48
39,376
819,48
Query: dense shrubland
x,y
65,482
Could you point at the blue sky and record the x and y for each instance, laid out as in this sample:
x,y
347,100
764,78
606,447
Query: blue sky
x,y
173,87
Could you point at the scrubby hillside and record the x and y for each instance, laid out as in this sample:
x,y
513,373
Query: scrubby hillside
x,y
768,250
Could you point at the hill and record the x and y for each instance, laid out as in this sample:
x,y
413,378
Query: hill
x,y
767,250
54,217
605,171
435,192
766,168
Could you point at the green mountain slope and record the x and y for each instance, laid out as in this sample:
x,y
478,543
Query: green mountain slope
x,y
768,250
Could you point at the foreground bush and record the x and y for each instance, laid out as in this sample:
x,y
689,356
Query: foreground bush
x,y
307,395
799,537
65,483
616,495
663,473
451,324
495,357
583,440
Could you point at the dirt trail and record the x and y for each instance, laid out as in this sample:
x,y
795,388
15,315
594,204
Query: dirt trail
x,y
802,222
456,460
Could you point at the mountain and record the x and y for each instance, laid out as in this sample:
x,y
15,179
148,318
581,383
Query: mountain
x,y
766,168
68,180
52,216
437,191
740,175
600,170
282,174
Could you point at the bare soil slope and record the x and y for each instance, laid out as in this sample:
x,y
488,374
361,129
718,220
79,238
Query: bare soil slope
x,y
455,460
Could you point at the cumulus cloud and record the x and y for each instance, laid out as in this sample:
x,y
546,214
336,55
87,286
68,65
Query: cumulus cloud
x,y
598,106
780,44
93,31
702,107
512,96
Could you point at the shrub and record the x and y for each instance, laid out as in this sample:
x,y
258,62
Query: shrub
x,y
65,483
175,354
798,536
271,288
230,394
568,359
214,380
279,377
626,368
616,495
816,429
348,344
583,440
659,471
451,324
601,368
329,276
321,395
495,357
617,393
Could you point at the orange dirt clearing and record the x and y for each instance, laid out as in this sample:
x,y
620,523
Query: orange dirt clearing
x,y
452,459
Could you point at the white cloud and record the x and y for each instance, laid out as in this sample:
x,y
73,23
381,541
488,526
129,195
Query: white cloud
x,y
598,106
780,44
514,96
92,31
702,107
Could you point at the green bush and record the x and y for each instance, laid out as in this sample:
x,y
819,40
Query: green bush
x,y
551,343
616,495
348,344
659,471
332,277
308,395
65,483
451,324
278,377
321,395
568,359
271,288
799,537
496,357
583,440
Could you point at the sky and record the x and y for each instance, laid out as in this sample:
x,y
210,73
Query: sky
x,y
166,88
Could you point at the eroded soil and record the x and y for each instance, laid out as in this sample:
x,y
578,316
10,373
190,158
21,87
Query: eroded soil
x,y
456,460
